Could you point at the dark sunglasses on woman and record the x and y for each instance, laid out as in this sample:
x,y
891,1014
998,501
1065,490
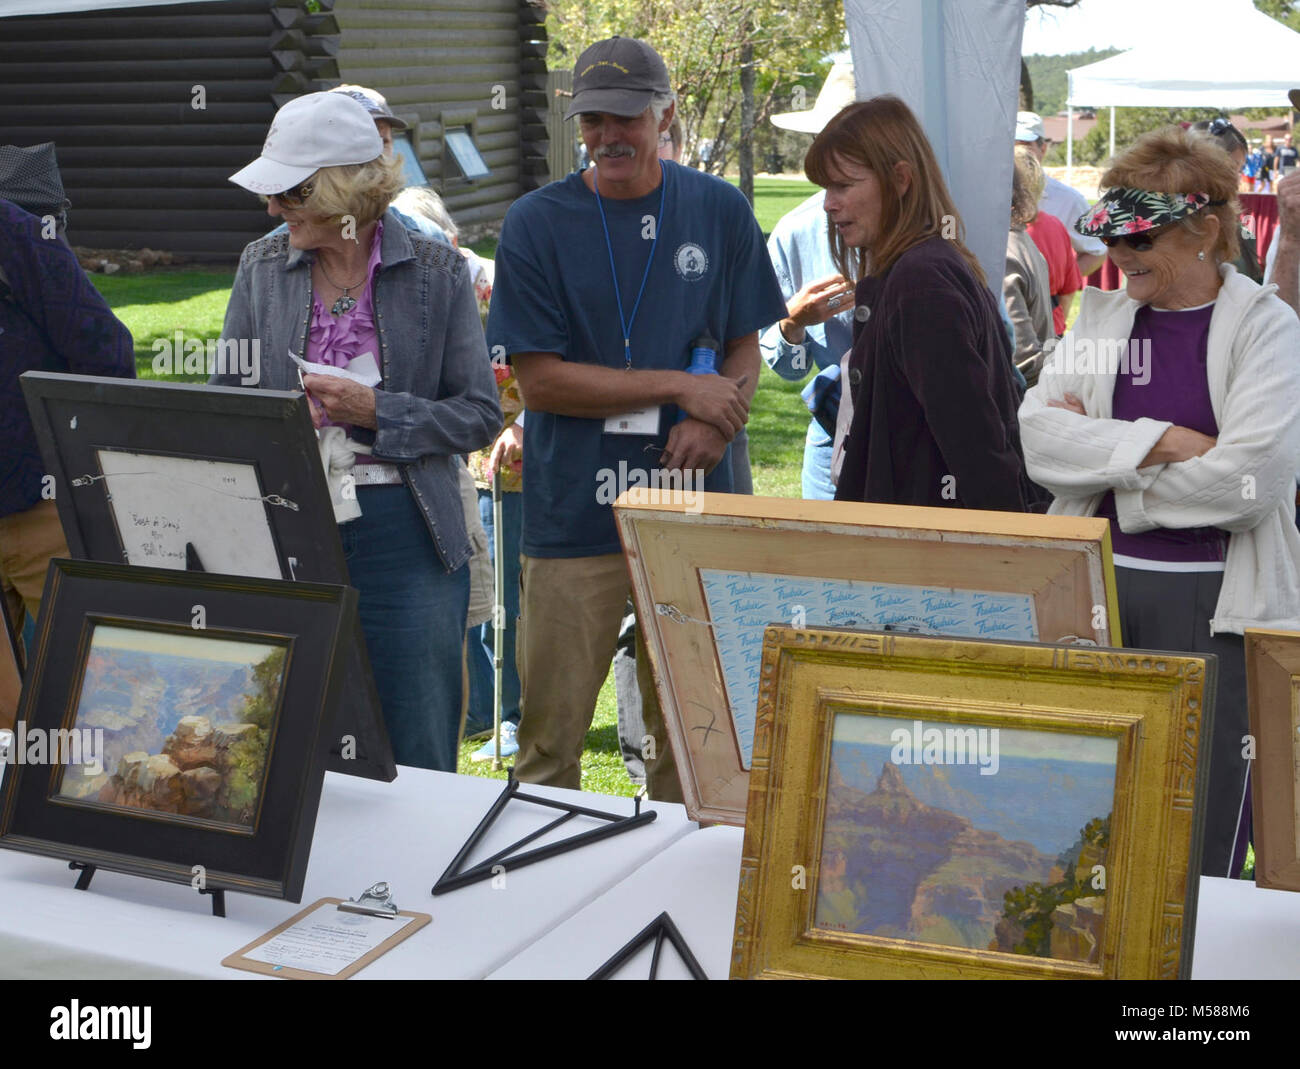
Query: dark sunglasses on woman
x,y
293,198
1137,242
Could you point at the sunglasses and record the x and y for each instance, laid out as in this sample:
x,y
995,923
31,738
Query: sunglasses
x,y
1137,242
295,197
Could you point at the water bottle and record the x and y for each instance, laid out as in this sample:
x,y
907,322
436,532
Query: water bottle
x,y
704,360
704,356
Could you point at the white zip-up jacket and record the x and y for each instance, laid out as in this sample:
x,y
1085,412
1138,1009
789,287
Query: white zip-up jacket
x,y
1245,485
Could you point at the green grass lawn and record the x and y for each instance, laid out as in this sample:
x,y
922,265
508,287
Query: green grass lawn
x,y
773,197
157,304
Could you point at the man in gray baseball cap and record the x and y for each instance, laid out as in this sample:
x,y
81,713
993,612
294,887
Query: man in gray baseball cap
x,y
605,282
620,76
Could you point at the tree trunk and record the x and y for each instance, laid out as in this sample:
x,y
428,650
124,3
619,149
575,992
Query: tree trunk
x,y
747,118
1026,88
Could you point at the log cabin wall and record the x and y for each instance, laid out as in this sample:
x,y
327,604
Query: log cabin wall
x,y
443,64
152,108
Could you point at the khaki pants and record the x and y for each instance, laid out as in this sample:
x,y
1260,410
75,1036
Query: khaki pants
x,y
570,609
27,542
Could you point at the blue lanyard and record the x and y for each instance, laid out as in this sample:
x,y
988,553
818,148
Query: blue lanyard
x,y
626,324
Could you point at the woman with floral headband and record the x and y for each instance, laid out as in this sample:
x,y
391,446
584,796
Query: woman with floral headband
x,y
1170,408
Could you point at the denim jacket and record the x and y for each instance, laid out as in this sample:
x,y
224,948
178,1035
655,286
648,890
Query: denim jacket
x,y
438,398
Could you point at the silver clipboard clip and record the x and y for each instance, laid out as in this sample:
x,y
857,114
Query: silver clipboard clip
x,y
374,901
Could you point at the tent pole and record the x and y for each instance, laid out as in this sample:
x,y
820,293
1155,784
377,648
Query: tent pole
x,y
1112,131
1069,143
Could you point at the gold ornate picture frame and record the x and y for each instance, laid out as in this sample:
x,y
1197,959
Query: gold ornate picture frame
x,y
1273,689
710,571
928,807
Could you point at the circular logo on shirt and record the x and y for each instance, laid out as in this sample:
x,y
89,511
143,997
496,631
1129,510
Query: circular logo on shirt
x,y
691,261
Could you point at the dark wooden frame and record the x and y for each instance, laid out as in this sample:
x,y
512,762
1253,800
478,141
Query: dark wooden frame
x,y
269,429
315,620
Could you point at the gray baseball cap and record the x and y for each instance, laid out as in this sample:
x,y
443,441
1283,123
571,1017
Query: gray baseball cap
x,y
619,76
374,102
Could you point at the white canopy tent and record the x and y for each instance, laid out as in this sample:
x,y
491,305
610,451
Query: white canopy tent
x,y
1241,58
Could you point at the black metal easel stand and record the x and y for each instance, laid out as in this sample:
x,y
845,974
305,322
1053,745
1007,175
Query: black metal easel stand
x,y
86,872
659,929
454,877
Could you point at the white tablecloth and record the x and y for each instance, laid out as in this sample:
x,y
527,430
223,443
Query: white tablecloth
x,y
694,880
562,918
405,832
1242,931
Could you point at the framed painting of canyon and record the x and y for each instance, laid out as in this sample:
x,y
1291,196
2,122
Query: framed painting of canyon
x,y
178,723
1273,687
929,807
710,571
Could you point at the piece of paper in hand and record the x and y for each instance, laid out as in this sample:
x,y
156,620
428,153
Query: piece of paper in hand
x,y
362,369
365,369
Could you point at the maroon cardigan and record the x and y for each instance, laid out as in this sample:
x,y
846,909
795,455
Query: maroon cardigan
x,y
934,394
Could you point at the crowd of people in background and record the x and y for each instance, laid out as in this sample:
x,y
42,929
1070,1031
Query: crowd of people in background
x,y
1267,163
623,326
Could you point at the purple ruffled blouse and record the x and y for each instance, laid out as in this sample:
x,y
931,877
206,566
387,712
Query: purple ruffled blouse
x,y
337,340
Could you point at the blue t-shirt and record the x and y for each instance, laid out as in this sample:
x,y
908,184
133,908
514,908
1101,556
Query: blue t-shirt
x,y
553,293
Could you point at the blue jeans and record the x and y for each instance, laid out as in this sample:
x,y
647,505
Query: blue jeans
x,y
817,449
481,644
413,618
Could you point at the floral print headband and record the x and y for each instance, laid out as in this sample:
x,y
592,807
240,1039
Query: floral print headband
x,y
1130,211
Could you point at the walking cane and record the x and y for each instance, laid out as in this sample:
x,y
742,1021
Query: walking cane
x,y
498,618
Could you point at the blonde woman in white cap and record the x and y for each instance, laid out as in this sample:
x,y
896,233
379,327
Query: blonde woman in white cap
x,y
349,286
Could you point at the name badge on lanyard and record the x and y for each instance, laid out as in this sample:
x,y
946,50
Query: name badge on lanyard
x,y
642,421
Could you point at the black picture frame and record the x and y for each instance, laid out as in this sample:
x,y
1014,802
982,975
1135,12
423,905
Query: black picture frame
x,y
264,854
77,416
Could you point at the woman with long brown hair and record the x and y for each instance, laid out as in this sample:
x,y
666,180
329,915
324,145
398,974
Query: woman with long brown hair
x,y
934,398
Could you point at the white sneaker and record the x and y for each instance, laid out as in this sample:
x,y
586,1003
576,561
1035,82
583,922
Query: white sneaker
x,y
509,746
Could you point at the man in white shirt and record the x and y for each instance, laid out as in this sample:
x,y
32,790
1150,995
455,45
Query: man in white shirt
x,y
1058,199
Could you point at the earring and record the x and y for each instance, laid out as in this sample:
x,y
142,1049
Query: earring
x,y
1201,255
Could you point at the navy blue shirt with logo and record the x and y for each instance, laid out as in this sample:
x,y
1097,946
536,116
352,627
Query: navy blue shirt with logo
x,y
554,293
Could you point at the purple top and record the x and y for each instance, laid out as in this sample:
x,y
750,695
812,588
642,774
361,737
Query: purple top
x,y
1165,379
336,340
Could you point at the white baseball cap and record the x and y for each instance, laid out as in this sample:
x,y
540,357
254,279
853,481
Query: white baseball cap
x,y
308,133
1029,126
